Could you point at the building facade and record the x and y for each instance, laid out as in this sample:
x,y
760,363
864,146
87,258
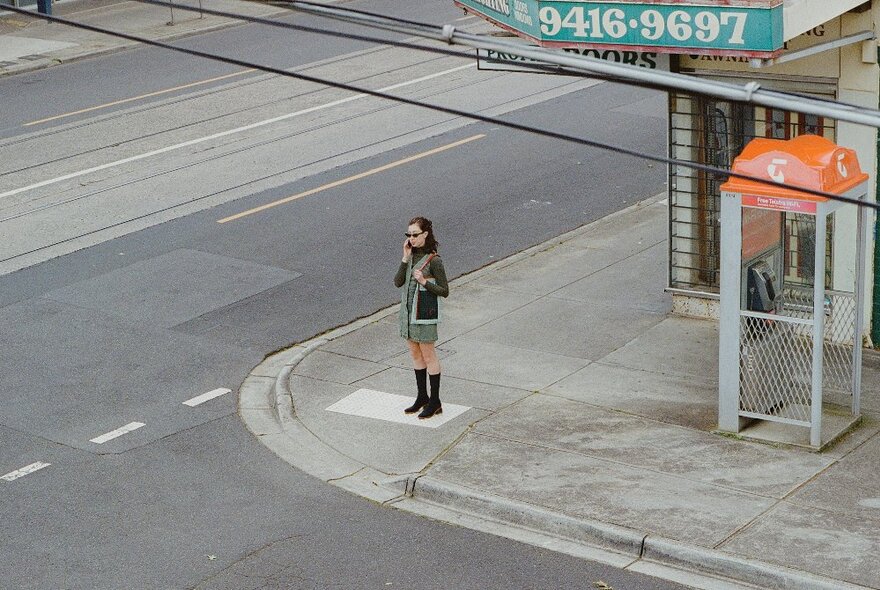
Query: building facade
x,y
818,48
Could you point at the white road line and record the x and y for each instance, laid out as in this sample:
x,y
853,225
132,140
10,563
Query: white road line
x,y
99,440
200,399
222,134
13,475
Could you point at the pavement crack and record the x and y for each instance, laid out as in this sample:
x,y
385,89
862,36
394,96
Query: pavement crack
x,y
352,474
449,447
42,438
166,436
625,464
809,480
625,413
235,568
746,525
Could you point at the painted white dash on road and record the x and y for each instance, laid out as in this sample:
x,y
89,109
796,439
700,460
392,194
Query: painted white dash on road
x,y
116,433
200,399
13,475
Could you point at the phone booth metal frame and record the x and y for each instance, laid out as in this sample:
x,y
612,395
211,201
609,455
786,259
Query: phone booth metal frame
x,y
779,347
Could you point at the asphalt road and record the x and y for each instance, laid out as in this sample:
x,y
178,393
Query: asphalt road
x,y
124,331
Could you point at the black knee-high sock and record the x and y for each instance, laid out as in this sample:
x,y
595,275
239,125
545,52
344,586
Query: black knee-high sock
x,y
422,382
435,388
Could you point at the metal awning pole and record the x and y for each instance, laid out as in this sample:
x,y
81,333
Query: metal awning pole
x,y
807,52
729,331
861,251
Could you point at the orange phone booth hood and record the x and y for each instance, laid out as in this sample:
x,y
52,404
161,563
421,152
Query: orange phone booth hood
x,y
809,161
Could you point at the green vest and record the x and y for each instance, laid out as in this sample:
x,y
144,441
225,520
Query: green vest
x,y
415,332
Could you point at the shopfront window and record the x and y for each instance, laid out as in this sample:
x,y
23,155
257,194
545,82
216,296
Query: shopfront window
x,y
714,132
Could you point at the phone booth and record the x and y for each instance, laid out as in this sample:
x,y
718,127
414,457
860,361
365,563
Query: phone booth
x,y
789,332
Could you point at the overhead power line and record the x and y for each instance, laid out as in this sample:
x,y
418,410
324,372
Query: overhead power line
x,y
552,60
748,93
438,108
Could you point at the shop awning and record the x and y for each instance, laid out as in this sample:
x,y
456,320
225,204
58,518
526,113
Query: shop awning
x,y
799,16
755,29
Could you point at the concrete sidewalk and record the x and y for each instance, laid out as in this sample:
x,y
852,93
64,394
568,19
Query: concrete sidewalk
x,y
28,44
578,416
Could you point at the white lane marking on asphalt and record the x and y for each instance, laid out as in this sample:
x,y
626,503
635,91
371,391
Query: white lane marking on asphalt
x,y
222,134
116,433
13,475
200,399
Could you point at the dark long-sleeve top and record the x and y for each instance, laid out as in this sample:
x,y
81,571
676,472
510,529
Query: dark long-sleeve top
x,y
434,270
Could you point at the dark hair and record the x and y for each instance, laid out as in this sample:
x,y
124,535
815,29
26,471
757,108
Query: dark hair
x,y
424,224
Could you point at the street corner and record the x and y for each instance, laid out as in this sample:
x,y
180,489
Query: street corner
x,y
20,54
377,486
258,390
309,404
364,419
274,363
266,408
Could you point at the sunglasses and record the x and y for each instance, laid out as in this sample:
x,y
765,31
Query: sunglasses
x,y
415,235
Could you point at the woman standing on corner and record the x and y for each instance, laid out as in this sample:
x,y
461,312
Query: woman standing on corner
x,y
421,268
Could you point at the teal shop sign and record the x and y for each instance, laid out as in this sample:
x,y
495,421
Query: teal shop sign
x,y
753,29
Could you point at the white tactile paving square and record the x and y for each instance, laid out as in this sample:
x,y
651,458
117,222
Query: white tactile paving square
x,y
369,403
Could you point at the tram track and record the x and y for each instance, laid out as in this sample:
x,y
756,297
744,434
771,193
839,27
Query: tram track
x,y
52,224
178,205
236,133
225,154
222,143
22,143
95,117
299,132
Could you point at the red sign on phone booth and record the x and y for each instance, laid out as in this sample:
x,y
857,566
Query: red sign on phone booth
x,y
779,204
